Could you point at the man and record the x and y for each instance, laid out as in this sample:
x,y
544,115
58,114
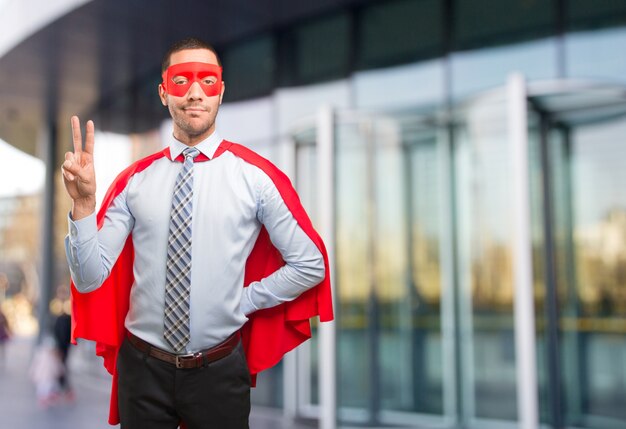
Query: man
x,y
191,246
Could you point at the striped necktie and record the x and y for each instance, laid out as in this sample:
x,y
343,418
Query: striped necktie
x,y
178,274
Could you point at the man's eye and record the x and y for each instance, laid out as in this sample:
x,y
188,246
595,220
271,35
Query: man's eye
x,y
209,81
179,80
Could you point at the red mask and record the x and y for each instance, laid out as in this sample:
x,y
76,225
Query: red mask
x,y
177,79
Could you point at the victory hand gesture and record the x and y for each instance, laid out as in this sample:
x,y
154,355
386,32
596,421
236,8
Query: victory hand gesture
x,y
79,175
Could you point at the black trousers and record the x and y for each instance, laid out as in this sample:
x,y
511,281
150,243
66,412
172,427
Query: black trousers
x,y
156,395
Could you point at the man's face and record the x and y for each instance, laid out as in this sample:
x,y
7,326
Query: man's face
x,y
193,111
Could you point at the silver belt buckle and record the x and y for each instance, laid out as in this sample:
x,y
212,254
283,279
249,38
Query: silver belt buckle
x,y
181,358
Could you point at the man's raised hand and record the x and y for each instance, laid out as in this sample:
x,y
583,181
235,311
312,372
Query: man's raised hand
x,y
79,175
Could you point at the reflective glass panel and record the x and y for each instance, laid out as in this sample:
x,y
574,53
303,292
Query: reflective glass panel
x,y
354,274
399,31
483,183
306,184
591,54
587,226
592,267
489,22
391,356
408,274
482,69
249,68
322,48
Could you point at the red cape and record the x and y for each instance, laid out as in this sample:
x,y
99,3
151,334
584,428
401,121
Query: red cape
x,y
269,334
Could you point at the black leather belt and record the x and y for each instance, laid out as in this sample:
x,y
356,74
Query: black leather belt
x,y
191,360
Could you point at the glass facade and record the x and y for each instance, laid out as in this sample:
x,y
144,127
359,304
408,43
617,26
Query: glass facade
x,y
390,346
424,266
425,301
252,65
589,213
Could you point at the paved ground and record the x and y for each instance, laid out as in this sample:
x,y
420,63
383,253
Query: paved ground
x,y
19,408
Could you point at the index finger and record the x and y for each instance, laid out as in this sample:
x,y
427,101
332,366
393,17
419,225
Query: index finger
x,y
89,137
77,138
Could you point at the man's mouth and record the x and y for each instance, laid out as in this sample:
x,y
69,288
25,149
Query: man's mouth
x,y
194,109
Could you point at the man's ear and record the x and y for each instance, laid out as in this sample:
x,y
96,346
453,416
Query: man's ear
x,y
162,94
222,93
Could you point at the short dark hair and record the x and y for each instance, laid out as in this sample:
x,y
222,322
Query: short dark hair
x,y
188,43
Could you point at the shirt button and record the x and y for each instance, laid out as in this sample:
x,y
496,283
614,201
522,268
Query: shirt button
x,y
73,231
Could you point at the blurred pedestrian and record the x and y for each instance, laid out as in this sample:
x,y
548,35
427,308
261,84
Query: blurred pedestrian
x,y
62,331
45,370
5,335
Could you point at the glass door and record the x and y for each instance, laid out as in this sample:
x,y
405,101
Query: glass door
x,y
306,356
485,265
425,263
577,245
583,133
395,360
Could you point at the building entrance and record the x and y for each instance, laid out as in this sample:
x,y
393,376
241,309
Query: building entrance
x,y
428,277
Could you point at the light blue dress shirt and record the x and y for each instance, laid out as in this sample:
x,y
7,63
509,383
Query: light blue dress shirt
x,y
232,200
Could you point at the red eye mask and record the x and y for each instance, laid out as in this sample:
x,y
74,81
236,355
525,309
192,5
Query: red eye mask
x,y
177,79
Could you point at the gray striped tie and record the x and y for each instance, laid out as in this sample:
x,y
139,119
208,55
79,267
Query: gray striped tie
x,y
178,275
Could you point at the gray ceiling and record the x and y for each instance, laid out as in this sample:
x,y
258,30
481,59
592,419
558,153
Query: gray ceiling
x,y
103,59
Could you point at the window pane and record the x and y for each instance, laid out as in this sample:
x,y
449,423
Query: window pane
x,y
307,185
592,54
478,23
408,271
595,319
353,275
399,31
585,14
249,69
488,68
483,184
390,347
322,49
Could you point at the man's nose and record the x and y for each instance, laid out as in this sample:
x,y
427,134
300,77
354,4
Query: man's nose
x,y
195,91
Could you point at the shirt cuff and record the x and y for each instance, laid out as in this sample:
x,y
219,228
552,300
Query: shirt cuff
x,y
246,305
82,230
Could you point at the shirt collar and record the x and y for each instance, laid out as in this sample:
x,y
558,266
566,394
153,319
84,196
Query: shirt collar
x,y
207,146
